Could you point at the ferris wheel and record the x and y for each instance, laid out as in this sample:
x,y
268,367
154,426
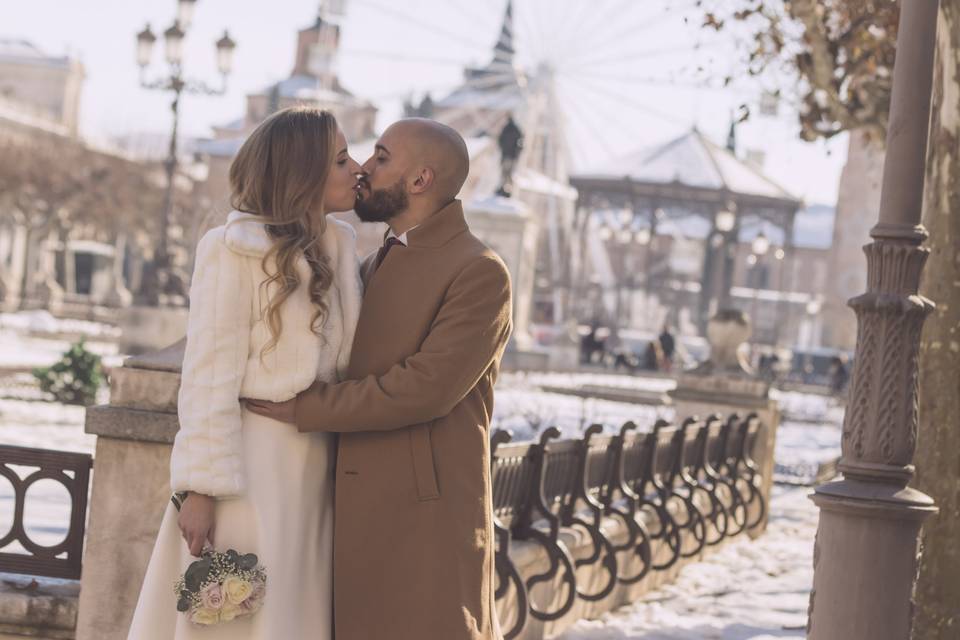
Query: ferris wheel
x,y
612,69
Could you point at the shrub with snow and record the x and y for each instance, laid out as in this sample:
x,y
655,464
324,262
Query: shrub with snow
x,y
75,379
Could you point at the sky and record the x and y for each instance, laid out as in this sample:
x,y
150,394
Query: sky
x,y
629,74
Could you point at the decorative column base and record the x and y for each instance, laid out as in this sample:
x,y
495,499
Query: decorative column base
x,y
865,527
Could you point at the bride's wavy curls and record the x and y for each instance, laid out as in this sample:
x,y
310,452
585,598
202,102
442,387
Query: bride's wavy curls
x,y
280,174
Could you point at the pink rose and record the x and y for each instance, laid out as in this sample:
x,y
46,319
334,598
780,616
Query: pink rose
x,y
256,597
211,596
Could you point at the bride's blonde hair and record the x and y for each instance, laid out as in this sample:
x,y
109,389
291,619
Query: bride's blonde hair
x,y
280,174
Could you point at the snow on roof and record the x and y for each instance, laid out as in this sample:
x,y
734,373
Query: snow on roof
x,y
233,125
695,161
24,51
497,205
304,87
530,180
496,98
223,148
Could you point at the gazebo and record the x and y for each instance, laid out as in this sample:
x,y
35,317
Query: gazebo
x,y
690,183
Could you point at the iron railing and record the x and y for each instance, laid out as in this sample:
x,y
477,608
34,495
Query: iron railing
x,y
676,489
72,470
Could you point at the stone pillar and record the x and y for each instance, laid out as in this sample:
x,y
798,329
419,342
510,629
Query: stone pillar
x,y
725,384
506,226
130,489
865,555
119,295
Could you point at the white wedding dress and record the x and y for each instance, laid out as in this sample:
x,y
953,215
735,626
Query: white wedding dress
x,y
274,485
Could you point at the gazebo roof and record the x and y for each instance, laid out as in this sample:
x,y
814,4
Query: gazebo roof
x,y
691,160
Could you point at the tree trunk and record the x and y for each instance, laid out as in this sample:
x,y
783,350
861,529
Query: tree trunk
x,y
938,452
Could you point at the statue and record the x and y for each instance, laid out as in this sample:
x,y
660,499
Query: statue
x,y
511,144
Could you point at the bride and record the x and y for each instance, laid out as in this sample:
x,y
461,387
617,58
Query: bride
x,y
274,304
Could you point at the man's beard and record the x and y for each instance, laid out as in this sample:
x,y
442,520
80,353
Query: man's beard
x,y
383,204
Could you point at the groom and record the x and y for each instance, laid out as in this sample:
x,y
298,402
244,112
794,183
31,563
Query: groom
x,y
413,555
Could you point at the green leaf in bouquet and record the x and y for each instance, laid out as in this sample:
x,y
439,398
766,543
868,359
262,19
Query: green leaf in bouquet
x,y
183,604
248,562
196,573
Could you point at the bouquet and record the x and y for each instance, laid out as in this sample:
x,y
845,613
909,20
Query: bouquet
x,y
220,587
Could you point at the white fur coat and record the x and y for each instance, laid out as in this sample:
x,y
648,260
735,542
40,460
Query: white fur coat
x,y
226,332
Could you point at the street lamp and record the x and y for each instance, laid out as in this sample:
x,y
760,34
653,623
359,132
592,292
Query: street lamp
x,y
724,223
725,219
760,245
159,279
759,248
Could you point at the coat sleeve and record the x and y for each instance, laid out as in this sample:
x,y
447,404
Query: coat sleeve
x,y
208,450
468,334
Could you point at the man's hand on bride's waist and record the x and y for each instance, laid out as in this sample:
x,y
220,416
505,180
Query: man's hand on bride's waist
x,y
281,411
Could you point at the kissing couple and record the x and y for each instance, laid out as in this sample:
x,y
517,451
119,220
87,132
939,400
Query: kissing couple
x,y
334,413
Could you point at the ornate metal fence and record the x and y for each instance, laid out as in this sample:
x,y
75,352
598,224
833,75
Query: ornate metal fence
x,y
72,470
676,489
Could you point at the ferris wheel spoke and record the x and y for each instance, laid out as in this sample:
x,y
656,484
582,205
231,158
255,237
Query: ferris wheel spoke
x,y
604,42
476,18
532,29
566,30
481,83
390,56
679,83
622,57
584,117
425,26
601,19
608,111
629,101
644,80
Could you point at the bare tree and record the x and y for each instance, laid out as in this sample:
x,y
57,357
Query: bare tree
x,y
51,184
841,51
938,445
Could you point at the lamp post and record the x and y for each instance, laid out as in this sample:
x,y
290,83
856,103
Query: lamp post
x,y
725,223
758,248
866,549
159,279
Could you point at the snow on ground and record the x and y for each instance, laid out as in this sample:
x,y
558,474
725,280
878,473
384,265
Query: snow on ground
x,y
526,411
37,339
749,590
43,322
44,425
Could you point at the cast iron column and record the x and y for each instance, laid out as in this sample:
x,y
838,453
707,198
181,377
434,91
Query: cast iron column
x,y
865,555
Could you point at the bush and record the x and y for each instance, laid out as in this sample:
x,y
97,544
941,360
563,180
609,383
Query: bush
x,y
75,379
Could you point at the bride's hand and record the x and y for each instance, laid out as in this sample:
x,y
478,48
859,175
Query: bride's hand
x,y
196,521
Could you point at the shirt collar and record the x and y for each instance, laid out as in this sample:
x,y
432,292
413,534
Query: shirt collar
x,y
402,237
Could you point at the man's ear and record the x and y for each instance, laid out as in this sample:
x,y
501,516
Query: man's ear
x,y
422,181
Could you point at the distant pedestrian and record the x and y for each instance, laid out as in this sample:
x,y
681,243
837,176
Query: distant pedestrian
x,y
839,375
668,345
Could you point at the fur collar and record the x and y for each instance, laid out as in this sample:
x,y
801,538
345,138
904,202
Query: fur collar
x,y
247,235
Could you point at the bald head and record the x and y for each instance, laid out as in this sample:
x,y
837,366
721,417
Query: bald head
x,y
437,147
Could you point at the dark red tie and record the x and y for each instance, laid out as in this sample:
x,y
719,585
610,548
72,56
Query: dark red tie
x,y
382,253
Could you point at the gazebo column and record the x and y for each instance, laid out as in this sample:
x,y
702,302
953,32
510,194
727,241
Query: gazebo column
x,y
710,255
785,288
865,554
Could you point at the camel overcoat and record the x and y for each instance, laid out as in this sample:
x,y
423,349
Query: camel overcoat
x,y
413,545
